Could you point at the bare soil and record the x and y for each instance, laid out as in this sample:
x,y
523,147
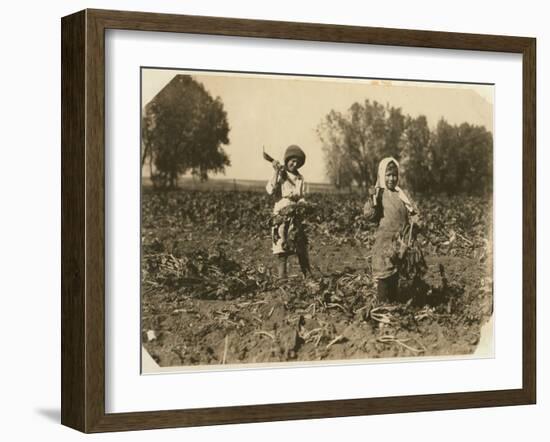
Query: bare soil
x,y
333,316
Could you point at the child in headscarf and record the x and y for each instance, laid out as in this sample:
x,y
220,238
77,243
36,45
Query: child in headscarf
x,y
287,231
393,210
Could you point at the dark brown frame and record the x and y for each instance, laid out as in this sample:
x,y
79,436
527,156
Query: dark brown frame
x,y
83,216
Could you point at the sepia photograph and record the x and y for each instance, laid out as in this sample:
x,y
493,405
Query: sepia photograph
x,y
292,220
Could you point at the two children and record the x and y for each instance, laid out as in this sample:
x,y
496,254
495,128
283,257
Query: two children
x,y
388,206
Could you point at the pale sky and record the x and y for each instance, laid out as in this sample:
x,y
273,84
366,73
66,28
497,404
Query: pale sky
x,y
275,111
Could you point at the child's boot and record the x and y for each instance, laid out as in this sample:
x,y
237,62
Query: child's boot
x,y
387,288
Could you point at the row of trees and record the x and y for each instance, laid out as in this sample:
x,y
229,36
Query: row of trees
x,y
183,131
450,158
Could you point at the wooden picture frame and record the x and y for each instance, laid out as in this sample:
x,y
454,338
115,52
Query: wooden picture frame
x,y
83,220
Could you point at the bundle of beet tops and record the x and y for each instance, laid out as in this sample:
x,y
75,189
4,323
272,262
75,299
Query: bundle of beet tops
x,y
408,254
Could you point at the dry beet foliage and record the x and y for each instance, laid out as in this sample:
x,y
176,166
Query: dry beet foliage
x,y
209,295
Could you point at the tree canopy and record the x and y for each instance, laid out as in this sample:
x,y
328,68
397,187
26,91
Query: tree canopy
x,y
449,158
183,130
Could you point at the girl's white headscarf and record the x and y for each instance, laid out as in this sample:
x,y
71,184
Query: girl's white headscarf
x,y
381,183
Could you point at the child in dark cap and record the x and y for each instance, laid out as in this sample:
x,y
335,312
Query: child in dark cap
x,y
287,230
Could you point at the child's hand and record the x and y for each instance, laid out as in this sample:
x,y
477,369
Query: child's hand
x,y
415,219
276,165
372,194
403,247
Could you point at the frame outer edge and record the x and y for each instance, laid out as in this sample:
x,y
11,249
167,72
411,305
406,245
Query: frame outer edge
x,y
73,132
83,230
530,221
162,22
94,192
